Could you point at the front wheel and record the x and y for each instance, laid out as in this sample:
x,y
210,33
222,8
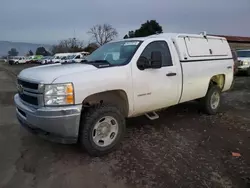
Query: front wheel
x,y
102,129
211,102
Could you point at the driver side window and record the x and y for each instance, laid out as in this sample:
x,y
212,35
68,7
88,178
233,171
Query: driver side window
x,y
161,46
77,57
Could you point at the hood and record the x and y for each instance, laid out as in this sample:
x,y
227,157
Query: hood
x,y
48,73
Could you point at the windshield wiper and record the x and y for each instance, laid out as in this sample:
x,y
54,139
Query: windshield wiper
x,y
97,63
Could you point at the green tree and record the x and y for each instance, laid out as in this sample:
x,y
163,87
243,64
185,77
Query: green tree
x,y
150,27
13,52
42,51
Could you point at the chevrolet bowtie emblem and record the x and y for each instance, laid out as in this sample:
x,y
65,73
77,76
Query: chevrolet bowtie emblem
x,y
20,88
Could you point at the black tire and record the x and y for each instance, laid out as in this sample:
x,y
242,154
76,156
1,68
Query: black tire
x,y
206,101
88,121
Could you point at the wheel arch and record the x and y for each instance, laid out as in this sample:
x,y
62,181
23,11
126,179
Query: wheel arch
x,y
218,80
118,97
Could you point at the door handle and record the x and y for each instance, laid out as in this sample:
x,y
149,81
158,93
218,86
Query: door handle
x,y
229,67
171,74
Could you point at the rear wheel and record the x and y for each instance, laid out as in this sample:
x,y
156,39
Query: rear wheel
x,y
102,129
211,102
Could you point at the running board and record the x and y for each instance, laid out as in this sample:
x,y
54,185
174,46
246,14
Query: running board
x,y
152,115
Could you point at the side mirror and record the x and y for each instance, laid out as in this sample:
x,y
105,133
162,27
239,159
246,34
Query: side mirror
x,y
156,60
143,63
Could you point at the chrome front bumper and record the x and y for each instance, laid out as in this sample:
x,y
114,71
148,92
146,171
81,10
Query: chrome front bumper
x,y
59,124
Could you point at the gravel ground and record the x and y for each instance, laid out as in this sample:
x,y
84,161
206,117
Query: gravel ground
x,y
184,148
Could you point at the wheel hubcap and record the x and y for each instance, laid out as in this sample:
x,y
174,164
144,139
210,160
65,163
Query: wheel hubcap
x,y
215,100
105,131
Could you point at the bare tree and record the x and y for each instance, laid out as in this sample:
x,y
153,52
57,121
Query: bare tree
x,y
68,45
103,33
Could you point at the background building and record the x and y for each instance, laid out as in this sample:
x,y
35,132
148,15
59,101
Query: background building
x,y
237,42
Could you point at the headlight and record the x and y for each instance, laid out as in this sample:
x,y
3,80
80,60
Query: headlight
x,y
59,94
246,63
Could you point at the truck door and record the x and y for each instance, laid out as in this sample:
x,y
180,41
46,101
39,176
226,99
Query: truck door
x,y
77,59
156,88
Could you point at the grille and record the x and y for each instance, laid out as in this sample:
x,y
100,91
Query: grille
x,y
29,92
29,99
28,85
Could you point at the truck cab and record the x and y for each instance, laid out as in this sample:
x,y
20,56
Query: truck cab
x,y
89,101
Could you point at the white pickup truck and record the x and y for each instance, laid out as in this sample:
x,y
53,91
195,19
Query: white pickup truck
x,y
89,101
18,60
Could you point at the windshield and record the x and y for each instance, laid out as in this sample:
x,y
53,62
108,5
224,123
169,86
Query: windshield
x,y
64,57
115,53
243,53
70,57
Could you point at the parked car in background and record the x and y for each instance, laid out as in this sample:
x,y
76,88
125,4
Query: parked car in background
x,y
69,57
34,59
12,60
244,61
88,102
29,59
62,59
37,59
46,60
22,60
57,58
236,61
17,60
77,58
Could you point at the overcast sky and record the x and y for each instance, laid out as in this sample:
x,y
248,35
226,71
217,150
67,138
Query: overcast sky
x,y
47,21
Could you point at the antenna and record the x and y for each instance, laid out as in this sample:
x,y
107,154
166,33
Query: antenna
x,y
74,37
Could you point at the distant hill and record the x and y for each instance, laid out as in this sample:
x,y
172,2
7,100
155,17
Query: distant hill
x,y
22,47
